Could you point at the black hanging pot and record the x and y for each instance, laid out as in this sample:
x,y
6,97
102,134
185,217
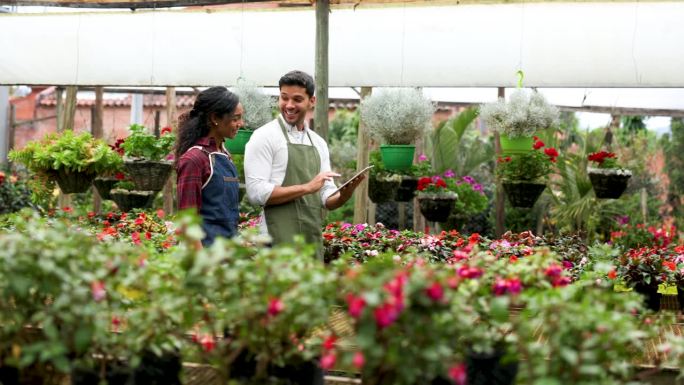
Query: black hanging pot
x,y
650,294
127,200
609,183
523,193
148,175
490,368
407,189
382,190
72,182
436,209
104,186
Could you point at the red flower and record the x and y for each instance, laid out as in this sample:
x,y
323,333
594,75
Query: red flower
x,y
98,291
166,130
553,271
135,237
139,221
329,342
458,374
208,343
385,315
435,292
120,176
68,209
474,238
161,214
538,144
551,153
275,307
670,265
148,235
2,176
328,361
355,305
359,360
612,274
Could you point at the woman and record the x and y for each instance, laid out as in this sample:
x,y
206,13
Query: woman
x,y
207,178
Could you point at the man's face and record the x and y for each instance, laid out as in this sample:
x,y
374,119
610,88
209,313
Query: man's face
x,y
294,103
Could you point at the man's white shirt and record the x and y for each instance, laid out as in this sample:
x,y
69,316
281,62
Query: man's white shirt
x,y
266,160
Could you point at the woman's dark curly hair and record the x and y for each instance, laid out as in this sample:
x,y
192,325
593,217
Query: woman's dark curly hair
x,y
192,125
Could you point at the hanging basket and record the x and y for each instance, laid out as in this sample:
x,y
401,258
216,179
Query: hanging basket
x,y
436,209
407,189
72,182
517,145
238,143
104,186
522,193
148,175
397,157
609,183
381,191
127,200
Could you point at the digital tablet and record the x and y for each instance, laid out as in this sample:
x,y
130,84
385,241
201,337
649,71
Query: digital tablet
x,y
352,178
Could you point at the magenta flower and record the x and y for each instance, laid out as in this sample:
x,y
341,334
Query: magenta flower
x,y
469,179
553,271
514,286
435,292
385,315
356,304
500,286
328,361
458,374
449,173
359,360
422,158
275,307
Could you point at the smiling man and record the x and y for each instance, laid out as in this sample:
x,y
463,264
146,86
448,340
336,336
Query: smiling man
x,y
287,168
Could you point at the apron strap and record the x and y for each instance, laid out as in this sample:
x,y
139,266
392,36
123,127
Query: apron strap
x,y
211,164
287,137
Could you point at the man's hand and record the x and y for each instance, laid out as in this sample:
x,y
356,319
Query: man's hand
x,y
338,199
319,180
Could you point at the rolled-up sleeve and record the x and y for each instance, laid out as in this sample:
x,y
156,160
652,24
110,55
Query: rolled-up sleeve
x,y
258,165
329,186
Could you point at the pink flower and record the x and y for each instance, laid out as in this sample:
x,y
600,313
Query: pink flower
x,y
98,291
458,374
360,227
422,158
449,173
560,281
275,307
435,292
385,315
514,286
553,271
567,265
161,214
356,305
208,343
500,286
329,342
359,360
135,237
328,361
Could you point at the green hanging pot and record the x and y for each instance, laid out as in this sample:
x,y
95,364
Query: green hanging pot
x,y
397,157
237,144
517,145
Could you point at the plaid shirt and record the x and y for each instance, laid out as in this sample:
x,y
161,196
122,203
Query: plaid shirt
x,y
193,170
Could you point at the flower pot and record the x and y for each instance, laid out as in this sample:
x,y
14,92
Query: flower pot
x,y
115,374
237,144
381,191
148,175
407,189
490,368
680,297
651,295
72,182
436,209
397,157
128,200
523,194
104,186
517,145
153,369
609,183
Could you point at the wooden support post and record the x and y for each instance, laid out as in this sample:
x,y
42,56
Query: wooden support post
x,y
59,107
12,127
96,116
321,71
5,125
69,109
361,202
500,196
171,122
419,222
157,118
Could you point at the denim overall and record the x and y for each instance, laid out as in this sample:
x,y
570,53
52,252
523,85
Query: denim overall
x,y
220,209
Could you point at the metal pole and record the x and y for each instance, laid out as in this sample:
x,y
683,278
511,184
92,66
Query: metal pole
x,y
4,124
321,74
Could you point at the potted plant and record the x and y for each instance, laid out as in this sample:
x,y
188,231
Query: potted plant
x,y
105,182
644,269
126,196
519,119
397,117
14,193
382,183
145,157
471,198
258,111
409,179
435,199
608,178
523,174
72,160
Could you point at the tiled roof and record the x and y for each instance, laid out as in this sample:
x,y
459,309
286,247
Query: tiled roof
x,y
182,101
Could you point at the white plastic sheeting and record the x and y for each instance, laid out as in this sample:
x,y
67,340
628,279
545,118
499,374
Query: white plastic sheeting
x,y
617,44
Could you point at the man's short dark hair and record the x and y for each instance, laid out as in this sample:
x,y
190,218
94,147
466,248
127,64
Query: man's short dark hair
x,y
298,78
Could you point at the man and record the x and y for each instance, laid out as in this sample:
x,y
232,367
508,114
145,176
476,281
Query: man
x,y
287,168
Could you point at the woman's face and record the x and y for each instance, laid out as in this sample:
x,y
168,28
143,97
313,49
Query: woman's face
x,y
229,124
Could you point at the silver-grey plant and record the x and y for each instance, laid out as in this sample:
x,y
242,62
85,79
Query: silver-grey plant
x,y
524,114
257,105
397,116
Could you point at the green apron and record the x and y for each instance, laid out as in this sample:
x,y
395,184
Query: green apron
x,y
301,216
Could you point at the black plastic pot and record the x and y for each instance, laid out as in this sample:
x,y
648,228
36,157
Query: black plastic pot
x,y
115,374
650,294
608,185
522,193
244,369
490,369
158,370
436,209
407,189
381,191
